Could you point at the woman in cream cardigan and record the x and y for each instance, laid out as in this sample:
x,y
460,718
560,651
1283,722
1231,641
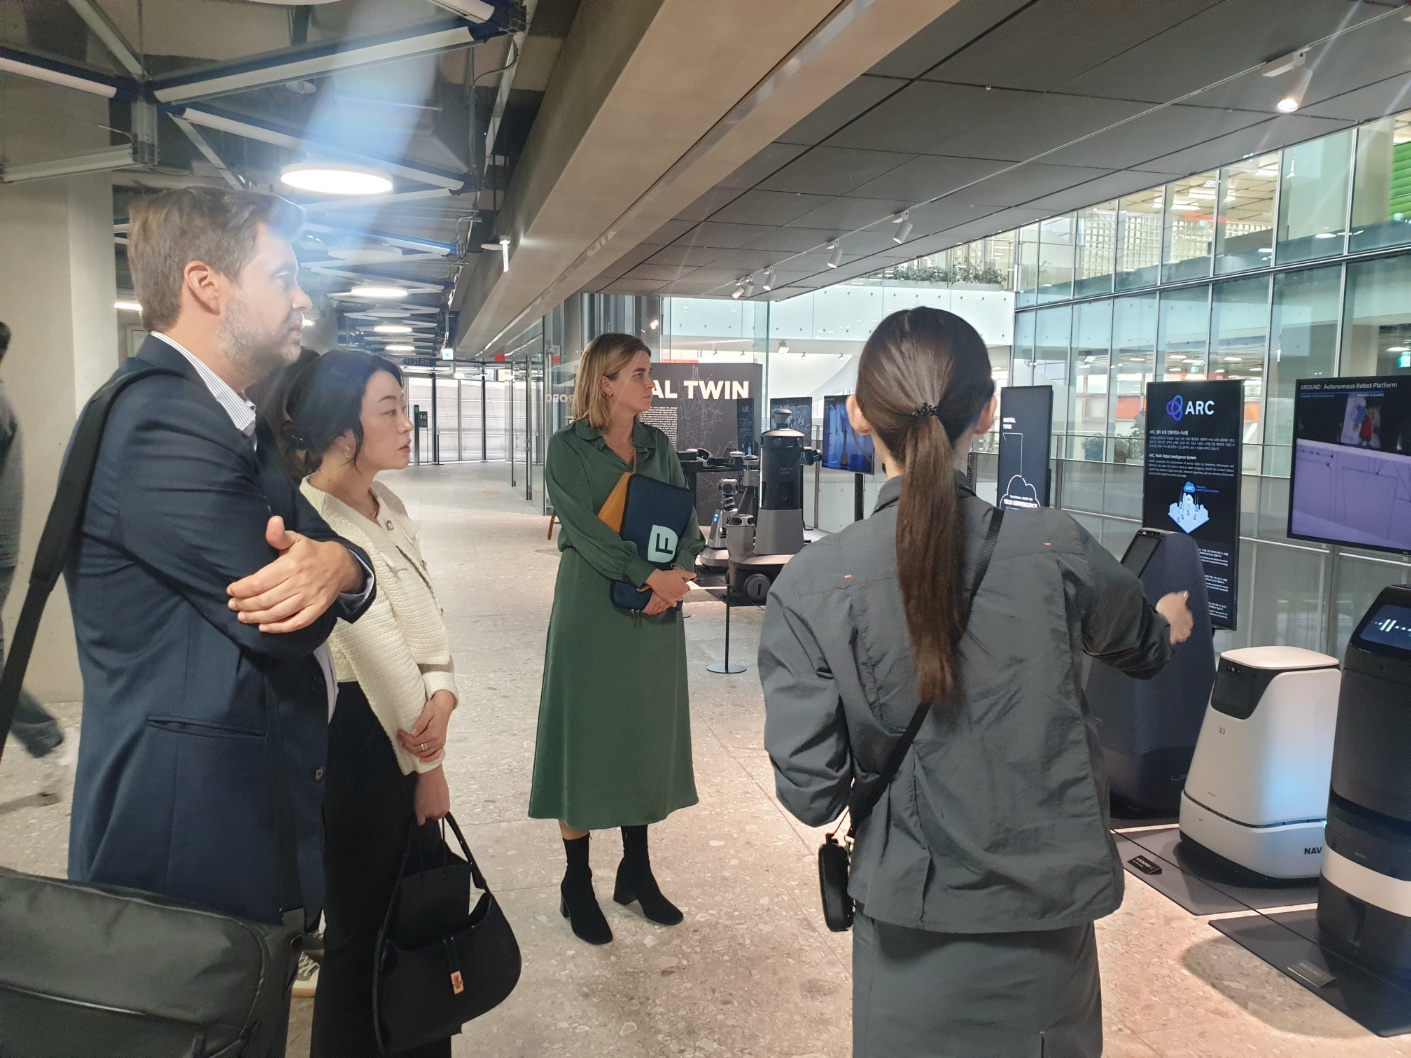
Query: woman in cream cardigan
x,y
345,421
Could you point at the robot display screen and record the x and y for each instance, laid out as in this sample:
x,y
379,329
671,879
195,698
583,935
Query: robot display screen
x,y
1387,626
1139,552
1351,475
843,447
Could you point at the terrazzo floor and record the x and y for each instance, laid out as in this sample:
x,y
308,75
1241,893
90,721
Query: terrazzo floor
x,y
752,972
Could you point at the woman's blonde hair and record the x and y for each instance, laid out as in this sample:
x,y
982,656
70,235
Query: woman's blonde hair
x,y
605,357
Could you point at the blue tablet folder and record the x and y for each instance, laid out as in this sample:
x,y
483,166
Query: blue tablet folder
x,y
654,518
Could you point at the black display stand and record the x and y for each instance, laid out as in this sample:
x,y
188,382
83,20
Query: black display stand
x,y
1288,941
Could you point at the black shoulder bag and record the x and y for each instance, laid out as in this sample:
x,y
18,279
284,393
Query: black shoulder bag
x,y
440,962
99,971
834,857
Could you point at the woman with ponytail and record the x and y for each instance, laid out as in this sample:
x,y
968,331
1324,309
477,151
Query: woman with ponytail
x,y
981,870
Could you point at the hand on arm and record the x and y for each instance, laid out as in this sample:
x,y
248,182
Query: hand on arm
x,y
299,586
427,739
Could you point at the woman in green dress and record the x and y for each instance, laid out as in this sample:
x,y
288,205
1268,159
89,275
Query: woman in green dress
x,y
614,745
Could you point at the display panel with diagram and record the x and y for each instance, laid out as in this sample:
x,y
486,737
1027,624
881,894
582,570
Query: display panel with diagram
x,y
1351,474
1025,427
1191,480
843,447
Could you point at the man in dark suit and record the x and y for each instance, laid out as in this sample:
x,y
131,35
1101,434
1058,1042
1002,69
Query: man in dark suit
x,y
204,585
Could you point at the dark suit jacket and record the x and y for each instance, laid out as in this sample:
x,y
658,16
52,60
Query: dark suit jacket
x,y
174,793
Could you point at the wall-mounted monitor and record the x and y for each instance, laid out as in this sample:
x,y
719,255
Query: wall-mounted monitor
x,y
843,447
1351,476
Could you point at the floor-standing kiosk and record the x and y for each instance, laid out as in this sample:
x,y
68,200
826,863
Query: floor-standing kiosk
x,y
1148,728
1364,895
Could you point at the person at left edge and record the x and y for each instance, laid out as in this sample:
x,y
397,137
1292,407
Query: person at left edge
x,y
201,573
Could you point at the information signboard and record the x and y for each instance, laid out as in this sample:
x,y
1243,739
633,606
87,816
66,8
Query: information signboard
x,y
1025,429
710,406
1191,482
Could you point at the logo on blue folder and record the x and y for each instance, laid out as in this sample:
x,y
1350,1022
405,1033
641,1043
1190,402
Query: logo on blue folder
x,y
661,545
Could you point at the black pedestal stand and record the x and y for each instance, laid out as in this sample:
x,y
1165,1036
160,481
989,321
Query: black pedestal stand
x,y
726,669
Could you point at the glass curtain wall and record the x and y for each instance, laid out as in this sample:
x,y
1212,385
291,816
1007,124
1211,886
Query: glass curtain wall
x,y
1290,265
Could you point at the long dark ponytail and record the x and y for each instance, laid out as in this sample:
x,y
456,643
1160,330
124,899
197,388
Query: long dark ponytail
x,y
922,381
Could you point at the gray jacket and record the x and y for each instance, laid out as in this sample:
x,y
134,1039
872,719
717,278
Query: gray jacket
x,y
997,820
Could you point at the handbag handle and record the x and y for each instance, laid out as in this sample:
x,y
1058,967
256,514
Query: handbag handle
x,y
861,801
55,548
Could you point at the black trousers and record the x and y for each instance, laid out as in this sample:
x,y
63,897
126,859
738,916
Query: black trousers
x,y
367,812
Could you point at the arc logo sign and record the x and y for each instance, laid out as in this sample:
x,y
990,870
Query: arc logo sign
x,y
1178,407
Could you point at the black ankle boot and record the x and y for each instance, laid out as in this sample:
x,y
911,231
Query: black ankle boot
x,y
577,901
635,880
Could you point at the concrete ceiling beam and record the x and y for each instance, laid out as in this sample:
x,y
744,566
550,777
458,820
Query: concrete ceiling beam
x,y
650,106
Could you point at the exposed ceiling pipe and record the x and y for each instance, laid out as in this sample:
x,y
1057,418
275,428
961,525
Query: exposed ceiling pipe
x,y
426,246
105,31
502,93
297,64
284,136
90,162
65,76
208,152
376,201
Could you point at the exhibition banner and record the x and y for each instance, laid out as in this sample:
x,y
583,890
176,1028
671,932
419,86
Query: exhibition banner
x,y
1191,481
1025,430
710,406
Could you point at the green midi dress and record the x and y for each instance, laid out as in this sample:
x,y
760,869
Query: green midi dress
x,y
614,744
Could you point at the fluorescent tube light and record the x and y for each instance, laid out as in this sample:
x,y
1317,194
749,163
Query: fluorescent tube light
x,y
377,293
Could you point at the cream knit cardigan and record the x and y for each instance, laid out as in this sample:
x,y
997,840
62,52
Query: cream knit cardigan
x,y
398,651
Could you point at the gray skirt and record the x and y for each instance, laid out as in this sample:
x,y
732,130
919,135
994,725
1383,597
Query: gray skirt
x,y
918,994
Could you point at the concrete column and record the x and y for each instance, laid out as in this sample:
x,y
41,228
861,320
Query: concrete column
x,y
57,288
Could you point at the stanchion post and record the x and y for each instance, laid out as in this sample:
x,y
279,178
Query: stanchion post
x,y
726,668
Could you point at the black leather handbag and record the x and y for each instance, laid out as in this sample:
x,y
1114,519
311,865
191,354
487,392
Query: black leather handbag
x,y
834,856
94,971
440,962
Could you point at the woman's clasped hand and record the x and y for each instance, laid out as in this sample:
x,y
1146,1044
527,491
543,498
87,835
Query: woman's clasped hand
x,y
427,737
668,588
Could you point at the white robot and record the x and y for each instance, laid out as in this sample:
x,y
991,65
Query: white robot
x,y
1257,792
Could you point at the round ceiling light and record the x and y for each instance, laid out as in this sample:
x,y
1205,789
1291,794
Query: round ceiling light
x,y
332,178
377,293
364,254
392,328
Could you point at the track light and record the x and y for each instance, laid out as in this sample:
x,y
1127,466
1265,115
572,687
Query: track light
x,y
904,219
749,287
1293,98
738,292
835,256
783,348
1282,65
127,306
769,279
